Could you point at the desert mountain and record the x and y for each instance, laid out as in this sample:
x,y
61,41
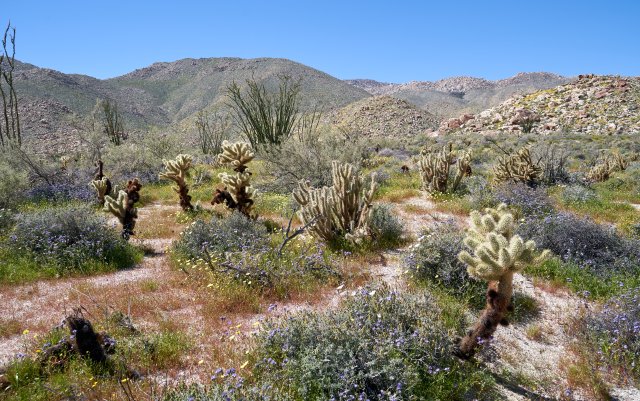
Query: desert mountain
x,y
383,116
161,94
454,96
591,105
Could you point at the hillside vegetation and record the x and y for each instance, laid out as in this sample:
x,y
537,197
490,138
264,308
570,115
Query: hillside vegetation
x,y
54,104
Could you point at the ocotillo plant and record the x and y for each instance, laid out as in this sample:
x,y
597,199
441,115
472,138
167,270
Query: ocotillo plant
x,y
177,170
518,167
497,255
344,209
435,168
237,193
10,134
123,207
100,183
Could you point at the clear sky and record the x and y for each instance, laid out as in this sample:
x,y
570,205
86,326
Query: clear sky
x,y
394,40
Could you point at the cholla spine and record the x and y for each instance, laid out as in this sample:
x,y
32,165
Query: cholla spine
x,y
237,155
123,207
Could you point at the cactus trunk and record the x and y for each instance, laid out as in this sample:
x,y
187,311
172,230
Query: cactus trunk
x,y
495,313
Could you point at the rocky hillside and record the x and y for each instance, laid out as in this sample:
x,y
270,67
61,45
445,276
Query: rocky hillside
x,y
53,103
383,116
590,105
454,96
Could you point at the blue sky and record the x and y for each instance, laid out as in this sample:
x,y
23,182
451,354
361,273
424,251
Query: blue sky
x,y
394,41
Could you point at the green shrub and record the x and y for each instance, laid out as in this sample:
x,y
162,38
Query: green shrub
x,y
242,249
7,220
386,230
308,160
379,346
13,184
221,235
65,239
435,259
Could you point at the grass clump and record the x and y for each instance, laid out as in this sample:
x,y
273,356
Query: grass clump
x,y
64,240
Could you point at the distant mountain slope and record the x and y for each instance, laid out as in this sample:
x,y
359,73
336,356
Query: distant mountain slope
x,y
186,86
161,94
591,105
383,116
454,96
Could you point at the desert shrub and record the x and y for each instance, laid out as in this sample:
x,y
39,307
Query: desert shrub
x,y
435,258
599,249
578,194
220,235
7,220
553,161
479,193
13,183
615,333
308,160
267,268
131,160
386,229
381,176
70,238
380,345
62,186
240,249
528,202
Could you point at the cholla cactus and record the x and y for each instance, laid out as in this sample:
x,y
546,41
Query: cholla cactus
x,y
237,193
345,208
607,165
100,183
518,167
177,170
123,207
64,162
618,162
237,155
497,255
600,172
435,167
102,187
